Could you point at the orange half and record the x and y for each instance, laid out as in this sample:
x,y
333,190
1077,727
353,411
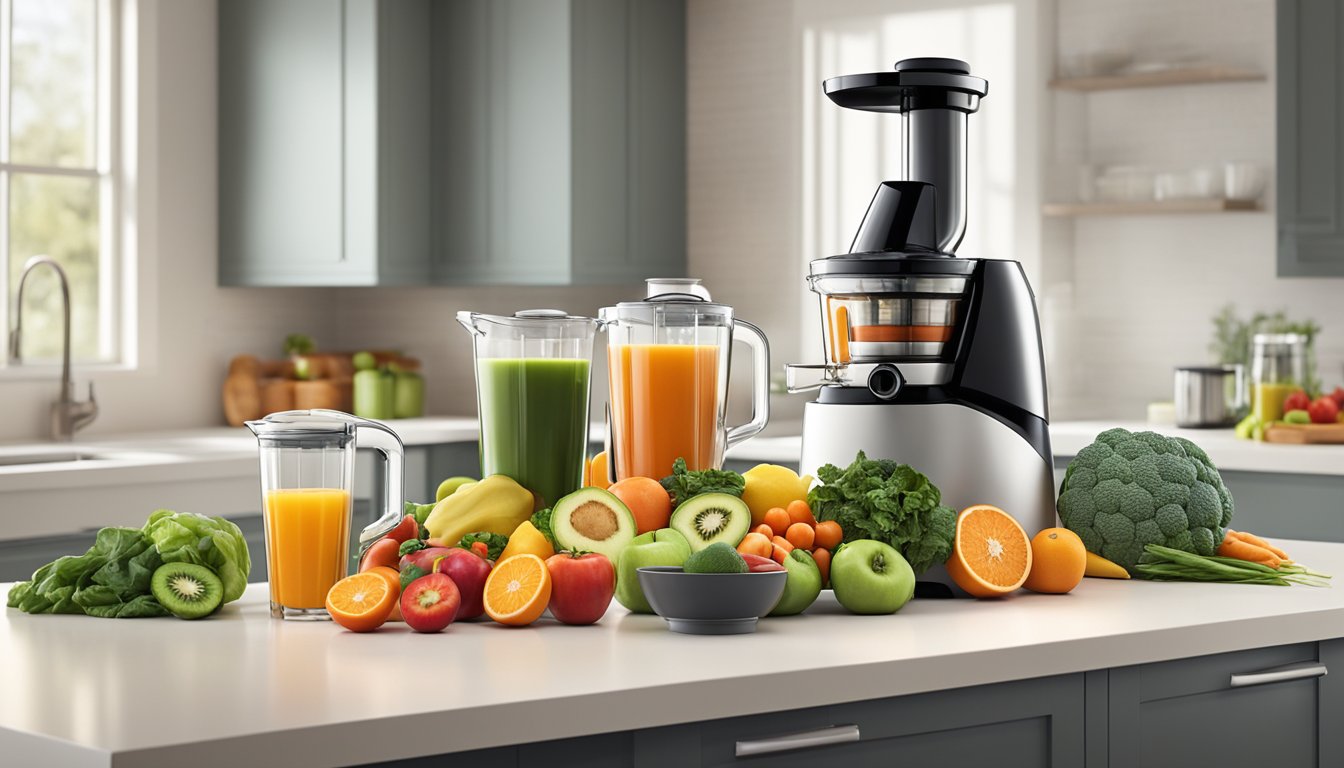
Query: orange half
x,y
991,554
518,590
362,602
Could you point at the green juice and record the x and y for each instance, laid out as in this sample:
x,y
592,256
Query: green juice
x,y
534,422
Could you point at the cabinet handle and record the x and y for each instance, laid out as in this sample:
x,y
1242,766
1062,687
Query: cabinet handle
x,y
835,734
1293,672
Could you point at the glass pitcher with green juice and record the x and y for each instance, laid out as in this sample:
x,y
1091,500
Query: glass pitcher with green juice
x,y
532,374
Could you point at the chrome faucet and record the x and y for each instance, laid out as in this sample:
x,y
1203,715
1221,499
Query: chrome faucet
x,y
67,413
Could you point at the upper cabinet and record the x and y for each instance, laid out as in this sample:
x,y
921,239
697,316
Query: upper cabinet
x,y
323,139
369,142
1310,43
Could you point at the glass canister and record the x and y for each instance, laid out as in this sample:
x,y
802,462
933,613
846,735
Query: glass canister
x,y
307,491
668,359
1278,367
532,377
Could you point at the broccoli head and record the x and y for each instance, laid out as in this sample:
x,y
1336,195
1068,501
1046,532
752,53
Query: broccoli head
x,y
1128,489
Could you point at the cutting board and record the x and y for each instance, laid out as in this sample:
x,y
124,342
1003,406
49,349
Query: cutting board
x,y
1305,434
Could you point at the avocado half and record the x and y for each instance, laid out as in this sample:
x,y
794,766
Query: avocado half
x,y
592,520
712,517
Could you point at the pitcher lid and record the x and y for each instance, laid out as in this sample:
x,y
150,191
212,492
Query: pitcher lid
x,y
298,425
542,322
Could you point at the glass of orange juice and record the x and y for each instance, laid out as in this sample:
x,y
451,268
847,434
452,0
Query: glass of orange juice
x,y
668,360
307,490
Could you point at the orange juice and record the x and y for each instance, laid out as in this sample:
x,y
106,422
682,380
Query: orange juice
x,y
664,405
307,538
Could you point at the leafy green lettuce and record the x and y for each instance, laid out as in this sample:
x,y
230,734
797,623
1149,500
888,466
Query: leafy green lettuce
x,y
216,543
494,542
682,484
111,580
889,502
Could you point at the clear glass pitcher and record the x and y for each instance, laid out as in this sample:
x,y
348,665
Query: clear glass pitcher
x,y
668,359
307,488
532,376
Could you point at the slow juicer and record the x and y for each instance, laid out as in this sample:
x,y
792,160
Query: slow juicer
x,y
933,360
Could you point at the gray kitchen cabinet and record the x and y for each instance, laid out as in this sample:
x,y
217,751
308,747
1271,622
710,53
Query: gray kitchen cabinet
x,y
1310,82
1265,706
559,141
20,557
323,140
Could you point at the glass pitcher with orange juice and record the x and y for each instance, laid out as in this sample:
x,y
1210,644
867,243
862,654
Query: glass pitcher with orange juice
x,y
668,363
307,484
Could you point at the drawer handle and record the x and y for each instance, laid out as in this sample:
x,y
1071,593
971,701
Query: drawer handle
x,y
1294,672
835,734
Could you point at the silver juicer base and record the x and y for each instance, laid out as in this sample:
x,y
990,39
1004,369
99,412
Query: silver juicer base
x,y
972,457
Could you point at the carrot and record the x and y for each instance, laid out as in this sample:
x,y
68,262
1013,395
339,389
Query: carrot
x,y
1243,550
1251,538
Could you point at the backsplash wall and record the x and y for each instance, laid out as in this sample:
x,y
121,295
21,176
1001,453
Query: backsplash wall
x,y
1126,298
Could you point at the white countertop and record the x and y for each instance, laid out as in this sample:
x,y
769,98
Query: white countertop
x,y
242,688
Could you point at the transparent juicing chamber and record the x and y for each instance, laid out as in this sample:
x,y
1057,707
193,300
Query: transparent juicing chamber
x,y
668,359
876,318
532,386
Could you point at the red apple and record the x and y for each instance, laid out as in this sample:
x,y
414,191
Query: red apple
x,y
581,586
430,603
758,564
424,558
468,571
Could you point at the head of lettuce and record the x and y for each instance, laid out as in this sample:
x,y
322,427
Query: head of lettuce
x,y
111,580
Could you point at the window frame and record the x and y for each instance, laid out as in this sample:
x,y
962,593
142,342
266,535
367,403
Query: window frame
x,y
116,326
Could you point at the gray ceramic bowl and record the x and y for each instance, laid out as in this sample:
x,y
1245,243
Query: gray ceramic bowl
x,y
711,603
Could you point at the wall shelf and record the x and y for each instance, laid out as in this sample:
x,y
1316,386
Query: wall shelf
x,y
1147,207
1157,79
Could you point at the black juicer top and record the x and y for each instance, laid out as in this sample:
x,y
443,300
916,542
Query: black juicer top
x,y
924,215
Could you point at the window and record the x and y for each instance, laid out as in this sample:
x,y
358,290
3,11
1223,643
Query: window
x,y
58,174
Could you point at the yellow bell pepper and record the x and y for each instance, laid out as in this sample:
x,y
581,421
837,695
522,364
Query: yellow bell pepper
x,y
496,504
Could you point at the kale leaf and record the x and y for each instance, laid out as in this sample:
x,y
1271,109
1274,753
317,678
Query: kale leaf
x,y
682,484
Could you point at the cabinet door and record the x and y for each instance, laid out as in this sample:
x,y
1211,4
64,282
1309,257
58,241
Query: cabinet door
x,y
1025,723
285,94
1310,80
1259,707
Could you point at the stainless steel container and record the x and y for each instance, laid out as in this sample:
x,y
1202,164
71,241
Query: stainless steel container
x,y
1209,395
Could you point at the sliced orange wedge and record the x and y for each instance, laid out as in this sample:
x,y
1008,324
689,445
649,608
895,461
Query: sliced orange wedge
x,y
517,590
362,602
991,554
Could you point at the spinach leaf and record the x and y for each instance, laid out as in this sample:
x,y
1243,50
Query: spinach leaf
x,y
683,484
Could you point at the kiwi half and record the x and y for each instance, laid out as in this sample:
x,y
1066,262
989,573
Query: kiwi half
x,y
712,517
187,590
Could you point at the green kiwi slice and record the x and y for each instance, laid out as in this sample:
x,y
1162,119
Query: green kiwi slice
x,y
187,590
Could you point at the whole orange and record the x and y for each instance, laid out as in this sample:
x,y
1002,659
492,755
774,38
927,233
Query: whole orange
x,y
1058,561
647,500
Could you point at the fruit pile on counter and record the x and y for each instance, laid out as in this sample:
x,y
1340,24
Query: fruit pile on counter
x,y
1131,504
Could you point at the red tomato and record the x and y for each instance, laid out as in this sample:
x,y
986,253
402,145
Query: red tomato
x,y
1338,397
1323,411
430,603
1297,401
581,587
384,551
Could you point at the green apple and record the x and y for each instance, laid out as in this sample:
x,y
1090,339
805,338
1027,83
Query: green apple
x,y
450,486
871,577
661,547
802,586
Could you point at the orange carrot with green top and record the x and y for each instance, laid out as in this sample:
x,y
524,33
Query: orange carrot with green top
x,y
1251,538
1243,550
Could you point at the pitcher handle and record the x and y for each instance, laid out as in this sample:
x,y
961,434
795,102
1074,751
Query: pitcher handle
x,y
760,381
385,441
